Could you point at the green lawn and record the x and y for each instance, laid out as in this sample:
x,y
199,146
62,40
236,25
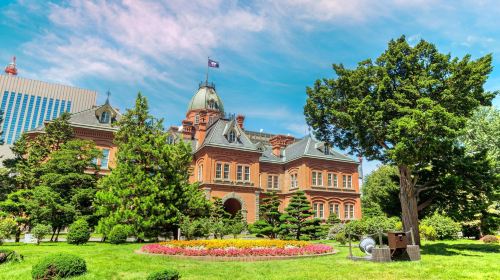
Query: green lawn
x,y
440,260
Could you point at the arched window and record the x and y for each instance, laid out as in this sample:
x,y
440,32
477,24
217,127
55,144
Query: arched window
x,y
200,173
231,137
104,117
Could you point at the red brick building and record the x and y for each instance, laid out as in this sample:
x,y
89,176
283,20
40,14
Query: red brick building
x,y
240,166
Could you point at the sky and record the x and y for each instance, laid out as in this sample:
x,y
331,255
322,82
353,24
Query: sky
x,y
268,51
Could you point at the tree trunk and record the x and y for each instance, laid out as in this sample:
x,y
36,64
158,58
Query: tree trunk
x,y
53,233
57,234
408,199
18,235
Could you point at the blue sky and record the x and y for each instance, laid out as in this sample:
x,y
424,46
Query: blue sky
x,y
268,52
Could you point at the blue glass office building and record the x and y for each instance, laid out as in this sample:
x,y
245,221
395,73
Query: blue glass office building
x,y
27,103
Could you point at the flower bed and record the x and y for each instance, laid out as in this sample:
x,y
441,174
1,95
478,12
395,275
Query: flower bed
x,y
237,248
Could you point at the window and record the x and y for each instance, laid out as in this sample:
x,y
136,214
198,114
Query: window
x,y
196,119
200,173
94,161
239,173
334,209
212,105
335,183
349,211
170,139
226,170
62,107
56,109
68,106
293,181
231,137
21,117
347,181
318,210
327,149
105,159
317,178
329,179
104,117
35,113
247,173
28,114
272,182
42,111
218,170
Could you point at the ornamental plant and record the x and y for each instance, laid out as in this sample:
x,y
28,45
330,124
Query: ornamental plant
x,y
39,232
445,227
166,274
79,232
58,266
297,222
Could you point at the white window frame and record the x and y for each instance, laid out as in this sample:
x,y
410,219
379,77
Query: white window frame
x,y
239,173
246,174
218,170
231,137
348,211
226,173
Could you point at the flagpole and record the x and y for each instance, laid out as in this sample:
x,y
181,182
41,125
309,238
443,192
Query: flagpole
x,y
206,81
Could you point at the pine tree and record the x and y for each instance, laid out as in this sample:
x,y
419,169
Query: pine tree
x,y
269,223
149,187
297,220
219,219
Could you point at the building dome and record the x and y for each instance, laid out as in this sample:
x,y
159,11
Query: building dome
x,y
206,98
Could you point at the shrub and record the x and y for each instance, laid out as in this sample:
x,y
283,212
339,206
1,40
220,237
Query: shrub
x,y
7,255
118,234
341,238
428,232
166,274
58,266
7,228
39,232
79,232
445,227
372,225
490,239
334,230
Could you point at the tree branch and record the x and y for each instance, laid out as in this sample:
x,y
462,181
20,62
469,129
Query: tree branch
x,y
424,204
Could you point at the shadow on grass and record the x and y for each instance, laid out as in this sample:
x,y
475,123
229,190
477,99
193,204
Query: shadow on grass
x,y
444,249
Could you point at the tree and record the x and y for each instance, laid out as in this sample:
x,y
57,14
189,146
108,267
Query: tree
x,y
405,109
269,222
237,224
297,221
39,232
219,219
380,193
150,185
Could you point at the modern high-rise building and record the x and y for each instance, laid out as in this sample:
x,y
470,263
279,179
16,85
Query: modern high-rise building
x,y
26,103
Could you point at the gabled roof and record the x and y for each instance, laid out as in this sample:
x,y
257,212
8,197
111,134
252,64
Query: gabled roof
x,y
216,136
90,118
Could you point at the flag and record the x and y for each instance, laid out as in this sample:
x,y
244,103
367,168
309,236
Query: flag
x,y
213,63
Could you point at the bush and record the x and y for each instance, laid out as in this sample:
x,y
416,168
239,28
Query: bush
x,y
428,232
490,239
334,229
79,232
7,228
166,274
341,238
7,255
371,225
58,266
118,234
445,227
39,232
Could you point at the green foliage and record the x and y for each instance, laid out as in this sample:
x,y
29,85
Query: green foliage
x,y
118,234
381,193
150,185
7,255
79,232
219,219
406,108
192,228
445,227
297,221
39,232
371,225
166,274
341,238
58,266
428,232
333,219
335,229
269,223
490,239
237,224
7,227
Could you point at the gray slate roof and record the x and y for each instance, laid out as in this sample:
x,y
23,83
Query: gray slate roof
x,y
306,147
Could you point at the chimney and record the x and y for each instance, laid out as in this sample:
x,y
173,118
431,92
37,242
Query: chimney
x,y
279,142
239,120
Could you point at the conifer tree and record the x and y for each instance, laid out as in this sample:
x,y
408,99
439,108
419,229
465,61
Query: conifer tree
x,y
149,186
297,220
219,219
269,222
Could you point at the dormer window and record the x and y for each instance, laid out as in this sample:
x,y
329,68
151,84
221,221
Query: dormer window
x,y
327,149
212,105
232,136
105,116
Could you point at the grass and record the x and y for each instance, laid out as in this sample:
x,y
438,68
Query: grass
x,y
462,259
